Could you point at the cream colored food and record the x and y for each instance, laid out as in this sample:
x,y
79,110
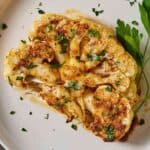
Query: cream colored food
x,y
79,68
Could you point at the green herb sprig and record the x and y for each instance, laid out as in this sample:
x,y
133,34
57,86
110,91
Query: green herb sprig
x,y
131,40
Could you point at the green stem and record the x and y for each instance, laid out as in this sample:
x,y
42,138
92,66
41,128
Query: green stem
x,y
146,46
144,53
146,95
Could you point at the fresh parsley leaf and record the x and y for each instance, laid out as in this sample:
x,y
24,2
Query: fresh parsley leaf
x,y
73,32
145,16
109,88
3,26
74,126
93,33
48,28
24,130
19,78
96,57
31,66
41,11
134,22
12,112
55,65
72,84
23,41
130,39
109,130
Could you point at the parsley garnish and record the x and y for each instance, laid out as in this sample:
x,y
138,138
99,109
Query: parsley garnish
x,y
21,98
41,11
74,126
109,130
47,116
97,12
65,101
55,65
23,41
96,57
9,80
73,32
3,26
117,82
48,28
141,122
134,22
131,38
12,112
24,130
72,85
109,88
63,41
19,78
31,66
93,33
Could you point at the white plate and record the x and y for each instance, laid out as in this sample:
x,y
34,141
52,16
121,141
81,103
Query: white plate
x,y
54,133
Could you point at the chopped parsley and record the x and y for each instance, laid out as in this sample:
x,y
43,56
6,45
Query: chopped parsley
x,y
72,85
55,65
40,4
132,2
64,45
21,98
117,82
24,130
109,88
47,116
23,41
48,28
93,33
97,12
73,32
96,57
12,112
3,26
41,11
141,122
65,101
30,113
63,41
109,130
31,66
19,78
134,22
74,126
9,80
